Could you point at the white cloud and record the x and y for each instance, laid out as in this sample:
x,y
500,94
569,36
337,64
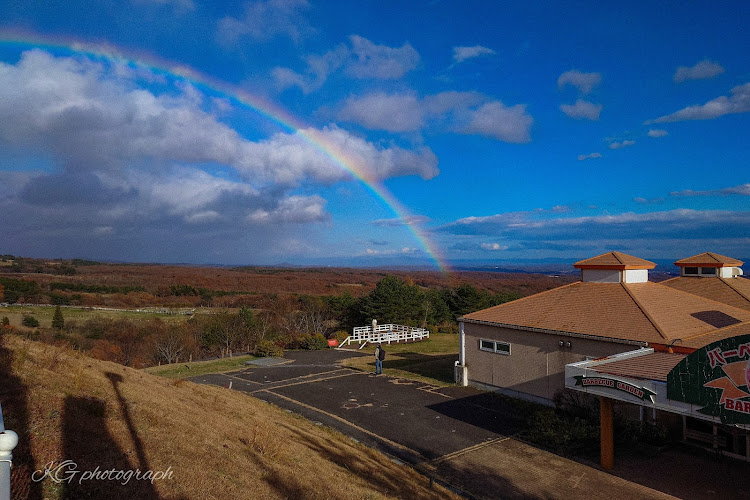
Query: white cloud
x,y
493,247
704,69
582,109
380,61
401,251
584,82
362,59
494,119
380,111
737,102
620,145
657,133
461,54
264,20
589,156
742,190
678,223
294,209
461,112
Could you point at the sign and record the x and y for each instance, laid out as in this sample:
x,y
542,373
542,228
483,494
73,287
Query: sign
x,y
333,342
716,377
611,383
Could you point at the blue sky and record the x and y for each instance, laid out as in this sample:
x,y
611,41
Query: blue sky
x,y
505,131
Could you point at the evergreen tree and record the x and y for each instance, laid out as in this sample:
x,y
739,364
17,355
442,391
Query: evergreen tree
x,y
58,322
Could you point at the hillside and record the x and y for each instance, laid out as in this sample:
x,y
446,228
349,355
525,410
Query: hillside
x,y
216,443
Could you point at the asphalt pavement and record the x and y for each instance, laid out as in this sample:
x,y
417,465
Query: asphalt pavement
x,y
459,436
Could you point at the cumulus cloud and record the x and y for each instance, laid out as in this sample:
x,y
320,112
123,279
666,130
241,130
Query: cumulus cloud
x,y
584,82
657,133
742,190
461,112
159,171
295,209
505,123
589,156
621,144
381,111
264,20
582,110
737,102
360,59
702,70
461,54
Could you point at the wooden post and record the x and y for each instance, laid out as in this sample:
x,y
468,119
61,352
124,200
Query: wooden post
x,y
607,433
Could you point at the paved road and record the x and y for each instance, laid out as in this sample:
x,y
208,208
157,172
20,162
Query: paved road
x,y
457,435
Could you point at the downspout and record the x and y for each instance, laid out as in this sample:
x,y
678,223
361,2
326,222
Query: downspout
x,y
461,373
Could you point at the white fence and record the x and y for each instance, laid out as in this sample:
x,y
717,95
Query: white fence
x,y
385,334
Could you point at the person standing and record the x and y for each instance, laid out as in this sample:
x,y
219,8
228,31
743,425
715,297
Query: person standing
x,y
379,357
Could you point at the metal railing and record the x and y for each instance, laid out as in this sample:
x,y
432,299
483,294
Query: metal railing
x,y
385,334
8,441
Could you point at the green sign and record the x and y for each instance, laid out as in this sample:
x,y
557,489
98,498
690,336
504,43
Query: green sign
x,y
717,378
619,385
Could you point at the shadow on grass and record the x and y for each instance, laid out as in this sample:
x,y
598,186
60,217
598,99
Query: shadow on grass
x,y
14,401
438,367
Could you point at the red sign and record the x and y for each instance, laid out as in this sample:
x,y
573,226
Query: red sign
x,y
333,342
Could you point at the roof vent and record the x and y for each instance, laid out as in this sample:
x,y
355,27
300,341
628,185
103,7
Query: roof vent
x,y
737,271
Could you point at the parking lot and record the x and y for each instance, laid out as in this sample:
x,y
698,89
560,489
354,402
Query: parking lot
x,y
459,436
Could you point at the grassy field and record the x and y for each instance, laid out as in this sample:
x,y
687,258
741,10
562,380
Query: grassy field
x,y
15,314
430,361
185,370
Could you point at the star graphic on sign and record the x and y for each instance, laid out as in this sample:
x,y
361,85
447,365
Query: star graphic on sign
x,y
729,385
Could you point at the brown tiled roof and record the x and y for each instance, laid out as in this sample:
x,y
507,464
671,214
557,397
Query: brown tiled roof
x,y
654,366
680,315
599,309
614,260
732,291
702,340
642,312
708,259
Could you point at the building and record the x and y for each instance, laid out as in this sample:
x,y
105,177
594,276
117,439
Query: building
x,y
619,336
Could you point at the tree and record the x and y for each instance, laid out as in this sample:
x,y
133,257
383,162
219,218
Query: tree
x,y
58,322
393,301
30,321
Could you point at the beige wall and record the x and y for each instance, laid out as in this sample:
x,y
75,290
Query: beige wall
x,y
536,364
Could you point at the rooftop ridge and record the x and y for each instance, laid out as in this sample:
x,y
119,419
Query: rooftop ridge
x,y
729,283
645,313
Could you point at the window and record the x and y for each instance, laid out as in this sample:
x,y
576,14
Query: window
x,y
691,270
708,270
494,346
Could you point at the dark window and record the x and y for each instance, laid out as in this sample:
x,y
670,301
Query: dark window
x,y
691,270
708,270
502,347
487,345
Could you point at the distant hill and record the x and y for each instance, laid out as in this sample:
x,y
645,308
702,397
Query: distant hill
x,y
217,443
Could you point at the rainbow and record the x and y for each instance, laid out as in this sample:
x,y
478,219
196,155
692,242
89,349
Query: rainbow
x,y
265,108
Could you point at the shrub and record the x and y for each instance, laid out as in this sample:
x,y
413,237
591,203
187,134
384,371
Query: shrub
x,y
564,434
267,348
30,321
315,341
340,335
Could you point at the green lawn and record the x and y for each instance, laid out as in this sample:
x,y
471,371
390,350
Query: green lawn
x,y
15,314
430,361
185,370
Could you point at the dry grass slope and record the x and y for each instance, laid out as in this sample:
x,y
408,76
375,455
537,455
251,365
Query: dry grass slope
x,y
217,443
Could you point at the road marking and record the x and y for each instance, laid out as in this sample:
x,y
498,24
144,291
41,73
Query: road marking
x,y
433,389
240,378
458,453
310,381
343,420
